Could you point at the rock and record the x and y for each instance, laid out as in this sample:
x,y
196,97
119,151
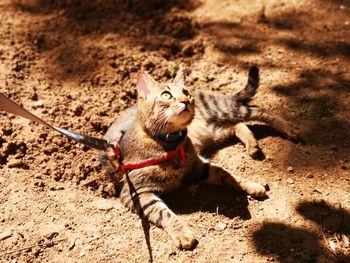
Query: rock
x,y
344,167
78,110
34,96
5,234
14,163
309,175
290,169
290,181
103,204
51,235
71,244
84,250
221,226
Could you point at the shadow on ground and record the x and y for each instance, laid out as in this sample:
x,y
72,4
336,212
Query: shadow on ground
x,y
111,26
296,244
208,198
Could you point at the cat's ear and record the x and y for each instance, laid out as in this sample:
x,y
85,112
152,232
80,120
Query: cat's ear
x,y
145,84
180,77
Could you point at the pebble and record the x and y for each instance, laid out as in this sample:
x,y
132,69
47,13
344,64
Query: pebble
x,y
290,181
71,244
103,204
221,226
14,163
309,175
6,234
290,169
51,235
84,250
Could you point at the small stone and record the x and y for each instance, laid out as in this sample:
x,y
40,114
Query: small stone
x,y
6,234
344,167
342,7
309,175
13,163
38,104
221,226
71,244
51,235
84,250
290,181
290,169
34,96
78,110
103,204
187,50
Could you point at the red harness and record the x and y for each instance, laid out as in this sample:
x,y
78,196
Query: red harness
x,y
127,167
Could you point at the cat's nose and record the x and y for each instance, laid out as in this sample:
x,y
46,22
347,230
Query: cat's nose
x,y
185,101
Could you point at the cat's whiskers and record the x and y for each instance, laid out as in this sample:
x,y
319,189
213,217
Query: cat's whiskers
x,y
161,124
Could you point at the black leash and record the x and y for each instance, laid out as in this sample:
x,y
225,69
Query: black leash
x,y
10,106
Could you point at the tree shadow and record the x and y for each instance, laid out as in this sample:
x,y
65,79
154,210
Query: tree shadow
x,y
316,99
332,218
288,244
155,25
295,244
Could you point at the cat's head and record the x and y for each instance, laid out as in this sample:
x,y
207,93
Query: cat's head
x,y
164,107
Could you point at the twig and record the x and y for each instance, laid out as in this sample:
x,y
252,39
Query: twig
x,y
47,244
313,187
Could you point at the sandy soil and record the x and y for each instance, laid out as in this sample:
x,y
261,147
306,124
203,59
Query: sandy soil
x,y
73,63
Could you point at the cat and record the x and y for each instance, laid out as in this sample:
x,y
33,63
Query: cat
x,y
164,123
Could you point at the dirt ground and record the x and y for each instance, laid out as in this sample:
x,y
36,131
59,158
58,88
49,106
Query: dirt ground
x,y
74,62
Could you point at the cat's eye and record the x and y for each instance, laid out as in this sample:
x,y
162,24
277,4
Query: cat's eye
x,y
189,96
166,95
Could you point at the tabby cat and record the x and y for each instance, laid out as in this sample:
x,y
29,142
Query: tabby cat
x,y
164,122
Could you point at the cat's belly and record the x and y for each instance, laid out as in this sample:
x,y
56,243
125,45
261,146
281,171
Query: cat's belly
x,y
158,179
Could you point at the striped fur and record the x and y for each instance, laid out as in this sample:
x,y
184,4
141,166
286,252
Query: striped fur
x,y
219,117
162,109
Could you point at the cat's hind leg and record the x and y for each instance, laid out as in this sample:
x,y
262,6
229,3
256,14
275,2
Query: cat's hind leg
x,y
219,176
212,174
278,123
245,135
242,132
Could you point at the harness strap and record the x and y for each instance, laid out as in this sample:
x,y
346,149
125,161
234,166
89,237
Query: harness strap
x,y
127,167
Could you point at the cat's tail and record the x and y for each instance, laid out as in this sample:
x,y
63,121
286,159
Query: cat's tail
x,y
250,88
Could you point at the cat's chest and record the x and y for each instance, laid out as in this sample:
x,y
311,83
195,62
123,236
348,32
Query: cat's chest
x,y
160,172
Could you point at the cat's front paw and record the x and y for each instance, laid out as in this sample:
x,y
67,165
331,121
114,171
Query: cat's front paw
x,y
184,239
254,189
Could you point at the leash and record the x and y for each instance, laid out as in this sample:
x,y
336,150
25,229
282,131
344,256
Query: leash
x,y
10,106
